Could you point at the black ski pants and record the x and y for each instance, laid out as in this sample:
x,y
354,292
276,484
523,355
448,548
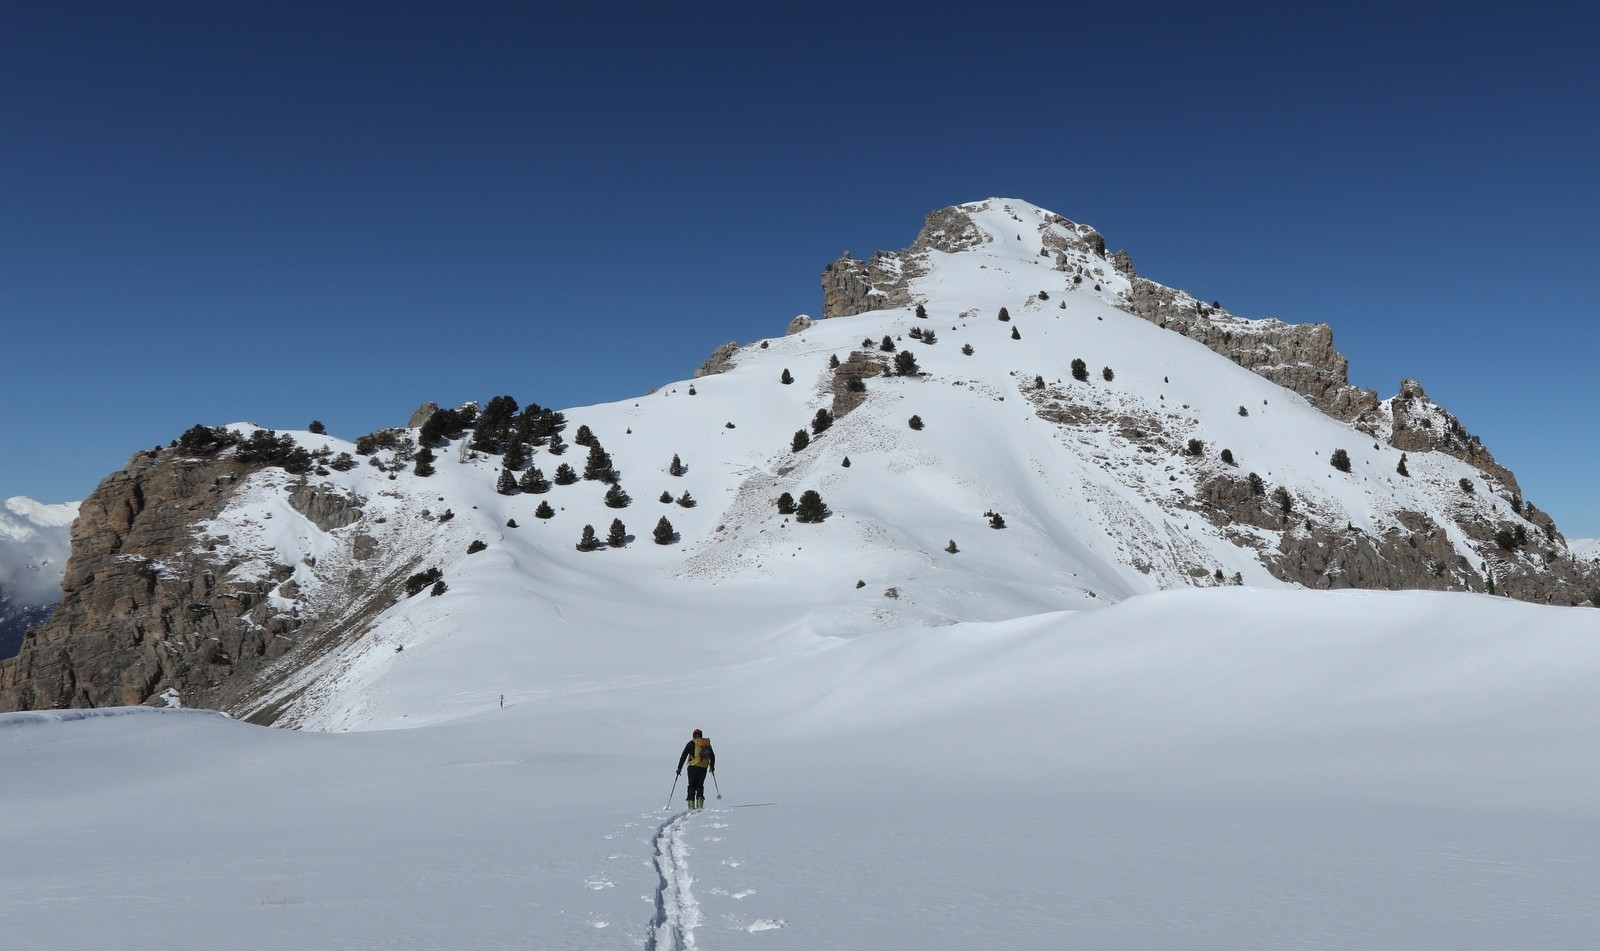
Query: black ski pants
x,y
697,783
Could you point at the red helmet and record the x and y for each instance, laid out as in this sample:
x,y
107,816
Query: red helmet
x,y
696,732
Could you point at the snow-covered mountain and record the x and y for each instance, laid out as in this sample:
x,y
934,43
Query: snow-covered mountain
x,y
1045,674
1585,549
34,541
275,589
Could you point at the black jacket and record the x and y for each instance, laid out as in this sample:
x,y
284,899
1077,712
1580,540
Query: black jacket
x,y
688,751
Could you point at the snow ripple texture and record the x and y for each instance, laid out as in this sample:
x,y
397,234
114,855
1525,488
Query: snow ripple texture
x,y
677,912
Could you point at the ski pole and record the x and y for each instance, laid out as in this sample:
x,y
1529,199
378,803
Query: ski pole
x,y
715,785
673,793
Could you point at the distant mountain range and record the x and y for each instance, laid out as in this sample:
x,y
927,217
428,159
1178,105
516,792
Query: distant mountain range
x,y
34,543
1001,420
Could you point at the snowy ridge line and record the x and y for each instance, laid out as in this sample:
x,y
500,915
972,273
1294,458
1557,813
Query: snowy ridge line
x,y
677,911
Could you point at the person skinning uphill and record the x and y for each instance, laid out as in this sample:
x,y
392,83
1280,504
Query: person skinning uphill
x,y
701,758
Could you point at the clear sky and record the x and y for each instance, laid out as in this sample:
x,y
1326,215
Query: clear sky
x,y
284,211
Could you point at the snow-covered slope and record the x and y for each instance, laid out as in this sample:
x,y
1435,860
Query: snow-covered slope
x,y
1199,769
34,541
1101,498
1587,549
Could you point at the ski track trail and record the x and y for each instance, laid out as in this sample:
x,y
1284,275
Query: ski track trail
x,y
677,911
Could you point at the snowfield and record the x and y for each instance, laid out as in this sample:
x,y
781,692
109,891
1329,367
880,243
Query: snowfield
x,y
1206,769
1105,725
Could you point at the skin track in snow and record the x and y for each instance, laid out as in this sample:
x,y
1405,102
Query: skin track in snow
x,y
677,912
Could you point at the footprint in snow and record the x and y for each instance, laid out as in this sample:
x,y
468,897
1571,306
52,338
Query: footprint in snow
x,y
733,863
713,838
598,882
765,924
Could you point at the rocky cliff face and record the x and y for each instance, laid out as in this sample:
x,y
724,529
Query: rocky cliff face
x,y
153,606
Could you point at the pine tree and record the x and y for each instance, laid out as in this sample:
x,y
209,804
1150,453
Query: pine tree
x,y
1005,314
930,338
833,361
810,508
951,548
1016,334
618,535
686,500
1285,501
316,428
1080,370
800,441
588,542
966,348
887,345
846,462
995,521
676,468
616,498
664,534
821,421
584,436
786,378
1340,460
922,312
666,498
516,453
544,510
556,446
598,468
424,462
1401,468
1227,457
534,481
1107,375
785,504
915,423
1258,485
905,363
507,483
565,475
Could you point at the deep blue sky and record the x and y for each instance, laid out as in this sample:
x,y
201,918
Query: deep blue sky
x,y
285,211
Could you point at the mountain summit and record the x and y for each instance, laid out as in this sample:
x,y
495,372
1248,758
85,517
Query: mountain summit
x,y
999,421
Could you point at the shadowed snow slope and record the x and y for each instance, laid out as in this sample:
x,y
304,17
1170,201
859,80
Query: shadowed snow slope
x,y
1224,768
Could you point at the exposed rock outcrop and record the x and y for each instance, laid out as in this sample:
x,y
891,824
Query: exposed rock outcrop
x,y
720,361
1417,424
137,611
852,287
151,604
422,414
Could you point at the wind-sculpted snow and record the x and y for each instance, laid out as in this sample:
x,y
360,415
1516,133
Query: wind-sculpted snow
x,y
35,718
